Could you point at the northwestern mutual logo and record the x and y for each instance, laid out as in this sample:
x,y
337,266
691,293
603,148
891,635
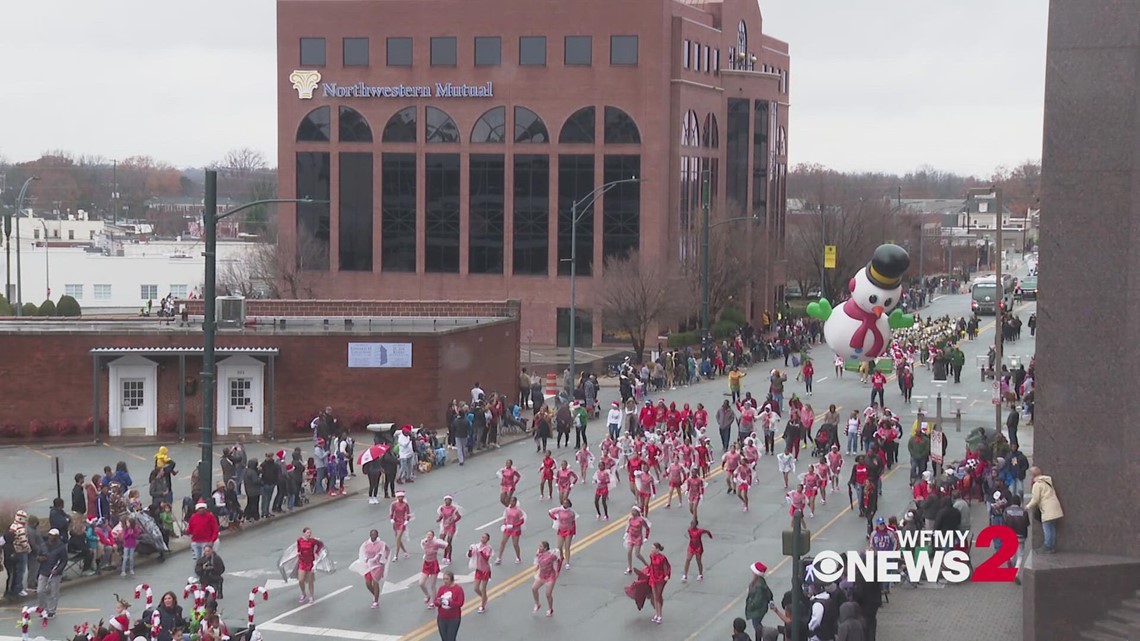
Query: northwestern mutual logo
x,y
305,81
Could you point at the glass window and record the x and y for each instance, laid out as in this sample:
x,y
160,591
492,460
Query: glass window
x,y
486,202
710,134
578,128
620,128
696,56
579,50
315,126
690,132
179,291
531,214
312,52
575,181
705,59
760,159
716,61
313,219
488,51
353,126
623,50
441,213
583,327
355,211
102,292
443,51
74,291
736,156
356,52
685,55
70,234
532,50
401,126
621,212
439,127
399,52
491,126
148,292
529,127
398,212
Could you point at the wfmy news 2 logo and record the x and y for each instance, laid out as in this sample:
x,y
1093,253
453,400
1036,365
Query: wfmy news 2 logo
x,y
925,557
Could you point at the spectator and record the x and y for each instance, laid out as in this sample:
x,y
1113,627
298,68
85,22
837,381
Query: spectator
x,y
203,529
408,453
79,495
52,563
210,570
1044,498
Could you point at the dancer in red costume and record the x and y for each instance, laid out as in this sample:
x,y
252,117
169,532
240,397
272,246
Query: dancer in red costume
x,y
585,459
307,550
603,478
448,516
676,475
432,547
646,490
546,477
743,480
480,561
695,488
508,482
696,549
729,462
514,519
400,513
565,479
659,573
636,532
566,524
548,565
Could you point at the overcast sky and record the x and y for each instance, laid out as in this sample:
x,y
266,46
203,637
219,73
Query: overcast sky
x,y
884,85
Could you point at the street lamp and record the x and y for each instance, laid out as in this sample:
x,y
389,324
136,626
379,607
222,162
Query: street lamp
x,y
47,257
19,279
210,218
582,203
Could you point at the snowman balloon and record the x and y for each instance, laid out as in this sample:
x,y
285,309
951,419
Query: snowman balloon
x,y
862,326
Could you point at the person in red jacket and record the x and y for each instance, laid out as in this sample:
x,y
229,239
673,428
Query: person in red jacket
x,y
449,607
203,529
117,629
807,372
659,573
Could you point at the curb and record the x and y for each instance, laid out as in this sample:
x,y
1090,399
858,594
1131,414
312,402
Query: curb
x,y
148,441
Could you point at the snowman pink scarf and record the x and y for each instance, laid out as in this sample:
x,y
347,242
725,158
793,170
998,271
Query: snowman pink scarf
x,y
867,322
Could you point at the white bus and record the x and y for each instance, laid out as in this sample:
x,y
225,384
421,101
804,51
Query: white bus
x,y
986,296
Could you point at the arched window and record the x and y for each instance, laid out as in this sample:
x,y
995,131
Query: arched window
x,y
620,128
579,127
742,37
529,127
439,127
401,126
690,131
314,126
711,135
781,143
353,126
491,126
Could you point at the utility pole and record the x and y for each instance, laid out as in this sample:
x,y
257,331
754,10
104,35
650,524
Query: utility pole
x,y
706,231
115,192
1002,311
823,248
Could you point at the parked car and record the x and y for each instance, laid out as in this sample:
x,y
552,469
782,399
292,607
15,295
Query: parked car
x,y
793,292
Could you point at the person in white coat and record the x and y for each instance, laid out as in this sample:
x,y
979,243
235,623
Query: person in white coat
x,y
614,420
407,472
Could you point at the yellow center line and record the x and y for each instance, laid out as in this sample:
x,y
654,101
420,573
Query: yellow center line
x,y
523,576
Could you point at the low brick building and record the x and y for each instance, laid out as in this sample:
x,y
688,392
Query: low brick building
x,y
370,360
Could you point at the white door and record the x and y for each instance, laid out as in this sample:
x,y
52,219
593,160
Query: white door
x,y
135,408
241,407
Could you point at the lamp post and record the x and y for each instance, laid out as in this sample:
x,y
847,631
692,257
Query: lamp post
x,y
996,191
47,257
210,218
578,210
19,272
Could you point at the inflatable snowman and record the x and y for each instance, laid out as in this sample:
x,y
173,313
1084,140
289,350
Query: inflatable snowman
x,y
862,326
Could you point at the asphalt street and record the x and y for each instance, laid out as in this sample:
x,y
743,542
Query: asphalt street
x,y
591,592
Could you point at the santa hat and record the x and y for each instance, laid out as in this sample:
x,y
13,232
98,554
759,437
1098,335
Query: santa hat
x,y
120,623
759,568
280,455
400,493
200,505
289,468
927,475
616,404
407,429
448,496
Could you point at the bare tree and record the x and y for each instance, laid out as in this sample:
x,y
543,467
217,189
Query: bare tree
x,y
855,225
241,163
637,297
729,262
270,271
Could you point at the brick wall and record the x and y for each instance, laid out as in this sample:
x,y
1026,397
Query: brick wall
x,y
374,308
49,376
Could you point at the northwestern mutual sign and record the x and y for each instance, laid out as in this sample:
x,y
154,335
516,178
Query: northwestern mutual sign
x,y
305,82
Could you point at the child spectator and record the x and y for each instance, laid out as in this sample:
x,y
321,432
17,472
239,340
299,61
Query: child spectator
x,y
129,537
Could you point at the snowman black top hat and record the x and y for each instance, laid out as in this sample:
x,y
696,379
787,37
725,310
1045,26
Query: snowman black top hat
x,y
887,266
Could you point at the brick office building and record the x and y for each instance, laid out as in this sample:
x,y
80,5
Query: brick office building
x,y
451,138
386,361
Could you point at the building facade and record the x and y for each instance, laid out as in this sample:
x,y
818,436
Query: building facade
x,y
451,140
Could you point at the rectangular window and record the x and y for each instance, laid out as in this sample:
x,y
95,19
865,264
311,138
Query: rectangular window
x,y
532,50
355,213
102,292
486,201
74,291
488,51
716,61
71,234
312,52
443,51
356,52
441,214
583,327
313,220
696,56
705,59
621,213
36,234
579,50
398,214
178,291
736,156
575,181
148,292
532,214
686,55
399,52
760,159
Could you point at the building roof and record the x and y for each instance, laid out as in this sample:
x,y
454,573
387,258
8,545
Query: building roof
x,y
279,326
177,351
